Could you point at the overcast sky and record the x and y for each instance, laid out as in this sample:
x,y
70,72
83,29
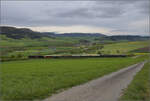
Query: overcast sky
x,y
110,17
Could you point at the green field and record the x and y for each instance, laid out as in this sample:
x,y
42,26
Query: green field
x,y
124,47
21,49
39,78
27,42
139,89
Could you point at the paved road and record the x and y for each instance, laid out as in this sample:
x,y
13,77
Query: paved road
x,y
107,88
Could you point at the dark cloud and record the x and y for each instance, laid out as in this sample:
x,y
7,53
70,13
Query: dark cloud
x,y
113,14
93,12
81,12
110,12
144,7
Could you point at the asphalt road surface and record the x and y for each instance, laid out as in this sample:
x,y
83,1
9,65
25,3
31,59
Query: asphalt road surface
x,y
106,88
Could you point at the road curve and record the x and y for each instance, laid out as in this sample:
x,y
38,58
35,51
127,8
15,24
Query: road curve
x,y
106,88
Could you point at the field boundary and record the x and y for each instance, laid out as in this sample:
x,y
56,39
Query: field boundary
x,y
76,56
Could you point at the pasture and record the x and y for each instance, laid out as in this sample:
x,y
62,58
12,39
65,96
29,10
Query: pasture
x,y
40,78
124,47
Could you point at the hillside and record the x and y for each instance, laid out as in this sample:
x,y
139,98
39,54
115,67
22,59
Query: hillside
x,y
18,33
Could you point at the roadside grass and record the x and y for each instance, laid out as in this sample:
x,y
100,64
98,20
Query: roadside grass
x,y
139,89
40,78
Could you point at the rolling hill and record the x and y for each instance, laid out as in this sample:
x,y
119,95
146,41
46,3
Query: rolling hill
x,y
124,37
19,33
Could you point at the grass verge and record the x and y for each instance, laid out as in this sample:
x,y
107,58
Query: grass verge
x,y
139,89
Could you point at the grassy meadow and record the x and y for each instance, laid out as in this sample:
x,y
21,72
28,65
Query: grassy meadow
x,y
39,78
139,89
124,47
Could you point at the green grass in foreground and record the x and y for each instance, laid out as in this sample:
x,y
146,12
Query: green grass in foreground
x,y
38,79
139,89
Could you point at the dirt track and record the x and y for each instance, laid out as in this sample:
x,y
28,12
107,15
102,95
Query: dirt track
x,y
107,88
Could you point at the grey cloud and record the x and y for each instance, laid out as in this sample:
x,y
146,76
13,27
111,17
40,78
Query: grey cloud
x,y
113,14
81,12
105,9
109,12
93,12
145,7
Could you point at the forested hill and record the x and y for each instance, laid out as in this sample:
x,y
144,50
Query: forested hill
x,y
18,33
